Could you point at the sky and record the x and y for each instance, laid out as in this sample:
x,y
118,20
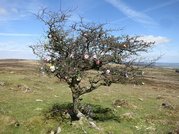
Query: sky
x,y
153,20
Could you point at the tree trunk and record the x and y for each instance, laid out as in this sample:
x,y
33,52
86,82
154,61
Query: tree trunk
x,y
76,103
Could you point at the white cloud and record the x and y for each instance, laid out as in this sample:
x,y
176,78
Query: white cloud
x,y
156,39
18,9
161,5
131,13
155,7
3,11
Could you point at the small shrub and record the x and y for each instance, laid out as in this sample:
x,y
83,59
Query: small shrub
x,y
177,70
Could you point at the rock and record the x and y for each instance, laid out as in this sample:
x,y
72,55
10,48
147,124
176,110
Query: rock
x,y
56,96
2,83
39,100
27,90
137,127
38,109
58,130
52,132
118,106
82,120
11,72
167,105
17,124
66,115
93,125
79,115
84,131
140,99
159,97
151,128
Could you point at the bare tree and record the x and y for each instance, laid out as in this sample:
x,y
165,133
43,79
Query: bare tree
x,y
79,51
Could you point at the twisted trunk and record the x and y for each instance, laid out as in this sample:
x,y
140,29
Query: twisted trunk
x,y
77,90
76,102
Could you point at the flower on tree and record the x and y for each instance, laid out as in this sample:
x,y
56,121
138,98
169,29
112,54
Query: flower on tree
x,y
79,79
76,56
86,56
72,55
47,60
85,34
95,56
52,68
108,71
125,45
98,62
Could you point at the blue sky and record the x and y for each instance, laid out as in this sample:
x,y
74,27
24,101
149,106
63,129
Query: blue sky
x,y
153,20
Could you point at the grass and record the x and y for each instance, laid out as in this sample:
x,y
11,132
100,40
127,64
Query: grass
x,y
26,95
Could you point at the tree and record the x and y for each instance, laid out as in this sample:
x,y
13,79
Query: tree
x,y
80,51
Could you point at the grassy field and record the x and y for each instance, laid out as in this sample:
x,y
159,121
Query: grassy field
x,y
26,95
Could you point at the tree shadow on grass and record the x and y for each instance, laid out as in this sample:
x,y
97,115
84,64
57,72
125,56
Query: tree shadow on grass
x,y
64,112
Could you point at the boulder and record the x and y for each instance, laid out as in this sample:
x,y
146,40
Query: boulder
x,y
58,130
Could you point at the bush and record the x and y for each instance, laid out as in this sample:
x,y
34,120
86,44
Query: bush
x,y
177,70
59,112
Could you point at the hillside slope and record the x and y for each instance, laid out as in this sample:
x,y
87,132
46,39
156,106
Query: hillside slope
x,y
26,95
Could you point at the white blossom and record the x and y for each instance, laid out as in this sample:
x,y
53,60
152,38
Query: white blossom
x,y
50,36
102,53
126,75
47,59
86,56
125,45
95,56
79,79
52,68
108,71
72,55
85,34
98,62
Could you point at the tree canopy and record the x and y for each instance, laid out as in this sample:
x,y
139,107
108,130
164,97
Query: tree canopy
x,y
74,51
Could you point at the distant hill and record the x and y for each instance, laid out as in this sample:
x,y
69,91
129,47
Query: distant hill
x,y
167,65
